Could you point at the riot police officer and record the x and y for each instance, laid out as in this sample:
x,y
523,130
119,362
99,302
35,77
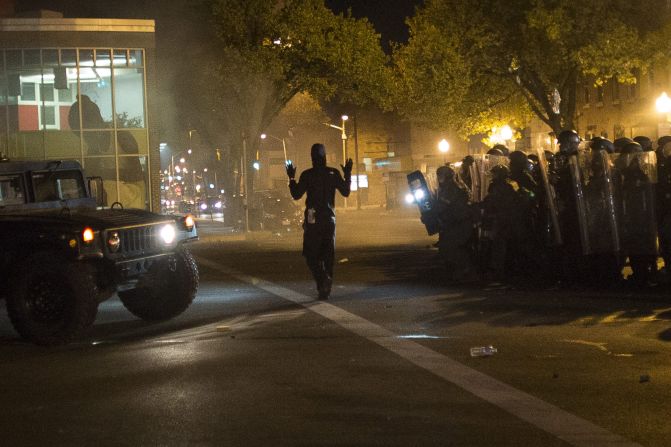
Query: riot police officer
x,y
465,171
320,183
638,173
455,218
602,216
508,209
663,198
569,254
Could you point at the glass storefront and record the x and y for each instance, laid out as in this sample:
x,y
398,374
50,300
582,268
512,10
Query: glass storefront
x,y
87,104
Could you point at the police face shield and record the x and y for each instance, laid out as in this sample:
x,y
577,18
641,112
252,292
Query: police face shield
x,y
549,204
481,175
637,175
600,223
577,168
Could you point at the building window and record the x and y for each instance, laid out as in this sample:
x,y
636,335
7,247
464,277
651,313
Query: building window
x,y
616,90
599,94
28,91
618,131
587,93
79,103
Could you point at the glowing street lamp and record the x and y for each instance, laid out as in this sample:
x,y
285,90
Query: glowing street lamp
x,y
506,133
443,146
663,103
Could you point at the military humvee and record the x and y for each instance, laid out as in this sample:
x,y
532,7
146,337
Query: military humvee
x,y
63,252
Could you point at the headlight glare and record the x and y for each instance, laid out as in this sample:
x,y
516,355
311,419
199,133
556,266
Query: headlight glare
x,y
87,235
189,222
168,234
113,241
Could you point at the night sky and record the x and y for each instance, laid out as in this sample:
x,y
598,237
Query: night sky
x,y
388,16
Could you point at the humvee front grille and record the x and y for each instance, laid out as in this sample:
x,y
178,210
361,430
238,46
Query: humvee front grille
x,y
139,240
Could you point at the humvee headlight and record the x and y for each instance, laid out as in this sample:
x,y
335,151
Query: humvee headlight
x,y
168,234
189,222
87,235
113,241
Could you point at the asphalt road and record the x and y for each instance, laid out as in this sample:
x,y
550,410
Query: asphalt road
x,y
257,361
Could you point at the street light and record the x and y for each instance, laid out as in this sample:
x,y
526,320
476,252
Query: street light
x,y
663,105
444,147
284,145
343,136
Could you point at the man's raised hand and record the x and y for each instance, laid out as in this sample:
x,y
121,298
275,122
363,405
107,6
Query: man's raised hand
x,y
347,169
291,170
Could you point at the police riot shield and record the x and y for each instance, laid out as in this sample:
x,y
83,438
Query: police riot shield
x,y
423,197
602,215
548,202
637,176
578,169
481,176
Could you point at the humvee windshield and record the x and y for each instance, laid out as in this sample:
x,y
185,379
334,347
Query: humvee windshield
x,y
11,190
58,185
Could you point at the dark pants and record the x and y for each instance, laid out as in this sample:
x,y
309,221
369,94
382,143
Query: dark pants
x,y
664,231
319,248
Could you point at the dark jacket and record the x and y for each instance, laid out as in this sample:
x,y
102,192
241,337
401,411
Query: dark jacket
x,y
320,183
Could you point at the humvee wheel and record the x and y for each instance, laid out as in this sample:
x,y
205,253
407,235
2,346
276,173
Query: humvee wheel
x,y
51,301
172,294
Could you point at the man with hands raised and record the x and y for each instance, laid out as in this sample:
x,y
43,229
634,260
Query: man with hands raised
x,y
320,183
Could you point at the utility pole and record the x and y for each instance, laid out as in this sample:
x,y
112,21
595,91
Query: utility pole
x,y
245,200
356,164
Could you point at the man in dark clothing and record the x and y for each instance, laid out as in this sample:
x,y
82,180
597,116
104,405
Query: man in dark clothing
x,y
456,224
320,183
569,255
663,198
507,213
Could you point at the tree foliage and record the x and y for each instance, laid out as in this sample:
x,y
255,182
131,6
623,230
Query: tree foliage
x,y
470,63
267,52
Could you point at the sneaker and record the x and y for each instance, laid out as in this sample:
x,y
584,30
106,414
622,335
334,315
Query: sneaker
x,y
325,289
328,282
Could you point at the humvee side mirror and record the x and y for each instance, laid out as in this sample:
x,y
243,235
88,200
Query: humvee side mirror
x,y
97,190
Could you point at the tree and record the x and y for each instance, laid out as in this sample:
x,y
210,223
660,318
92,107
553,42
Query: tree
x,y
268,52
489,60
264,53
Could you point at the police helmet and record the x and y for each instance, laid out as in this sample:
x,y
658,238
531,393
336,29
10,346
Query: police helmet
x,y
518,160
645,142
500,172
568,141
503,148
621,142
663,140
495,151
632,148
601,143
444,173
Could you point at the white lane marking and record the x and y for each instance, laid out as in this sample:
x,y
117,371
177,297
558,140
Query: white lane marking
x,y
560,423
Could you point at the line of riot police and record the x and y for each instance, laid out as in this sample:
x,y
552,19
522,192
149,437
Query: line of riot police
x,y
577,217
